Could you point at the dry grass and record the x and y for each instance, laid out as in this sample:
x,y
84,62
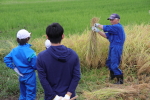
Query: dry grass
x,y
136,49
135,56
38,44
92,47
135,61
120,92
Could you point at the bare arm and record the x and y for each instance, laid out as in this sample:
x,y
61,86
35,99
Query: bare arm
x,y
102,34
100,26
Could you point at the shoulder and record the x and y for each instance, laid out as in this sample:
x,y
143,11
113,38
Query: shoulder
x,y
29,51
117,25
15,49
73,52
28,47
41,53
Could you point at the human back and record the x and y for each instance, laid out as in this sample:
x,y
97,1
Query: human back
x,y
58,66
22,59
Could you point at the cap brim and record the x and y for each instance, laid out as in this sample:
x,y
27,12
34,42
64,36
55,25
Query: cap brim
x,y
29,34
110,18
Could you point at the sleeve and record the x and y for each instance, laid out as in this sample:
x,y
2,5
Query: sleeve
x,y
107,35
110,29
9,61
49,93
76,76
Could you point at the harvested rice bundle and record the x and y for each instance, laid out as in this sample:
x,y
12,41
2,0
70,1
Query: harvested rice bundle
x,y
92,49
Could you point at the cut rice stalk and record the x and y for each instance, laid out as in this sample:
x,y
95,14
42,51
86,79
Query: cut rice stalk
x,y
91,54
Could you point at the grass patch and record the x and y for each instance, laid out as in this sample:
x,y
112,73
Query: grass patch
x,y
73,15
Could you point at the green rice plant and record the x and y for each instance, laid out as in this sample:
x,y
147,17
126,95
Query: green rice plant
x,y
6,46
73,15
9,81
2,53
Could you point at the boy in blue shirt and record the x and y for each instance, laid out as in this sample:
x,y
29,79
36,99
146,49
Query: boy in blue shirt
x,y
116,36
58,67
22,59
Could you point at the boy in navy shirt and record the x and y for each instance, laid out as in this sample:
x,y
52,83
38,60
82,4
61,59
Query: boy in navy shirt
x,y
58,67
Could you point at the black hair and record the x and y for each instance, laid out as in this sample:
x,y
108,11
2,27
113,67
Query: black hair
x,y
23,41
54,32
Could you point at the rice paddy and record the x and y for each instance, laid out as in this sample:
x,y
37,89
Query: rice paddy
x,y
76,17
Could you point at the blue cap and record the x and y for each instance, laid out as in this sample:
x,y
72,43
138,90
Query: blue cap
x,y
113,16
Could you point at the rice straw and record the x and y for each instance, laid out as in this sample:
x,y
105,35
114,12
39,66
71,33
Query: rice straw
x,y
91,55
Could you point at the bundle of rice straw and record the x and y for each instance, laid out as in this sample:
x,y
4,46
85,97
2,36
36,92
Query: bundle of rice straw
x,y
91,54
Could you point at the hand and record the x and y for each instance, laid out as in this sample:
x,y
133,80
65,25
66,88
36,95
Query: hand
x,y
96,24
17,71
95,29
74,98
58,97
67,97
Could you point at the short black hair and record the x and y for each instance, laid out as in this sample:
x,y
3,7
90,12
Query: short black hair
x,y
23,41
54,32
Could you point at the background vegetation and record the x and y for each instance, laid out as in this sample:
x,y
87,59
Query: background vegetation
x,y
75,16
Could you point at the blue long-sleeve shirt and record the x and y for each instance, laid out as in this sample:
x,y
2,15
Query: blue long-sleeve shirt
x,y
115,34
58,70
23,58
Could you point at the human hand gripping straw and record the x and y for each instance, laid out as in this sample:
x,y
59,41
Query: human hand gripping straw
x,y
96,24
95,29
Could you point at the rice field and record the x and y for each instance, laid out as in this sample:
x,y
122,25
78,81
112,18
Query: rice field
x,y
75,16
95,81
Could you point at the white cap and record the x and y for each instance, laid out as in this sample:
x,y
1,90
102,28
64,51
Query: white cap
x,y
47,43
23,34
